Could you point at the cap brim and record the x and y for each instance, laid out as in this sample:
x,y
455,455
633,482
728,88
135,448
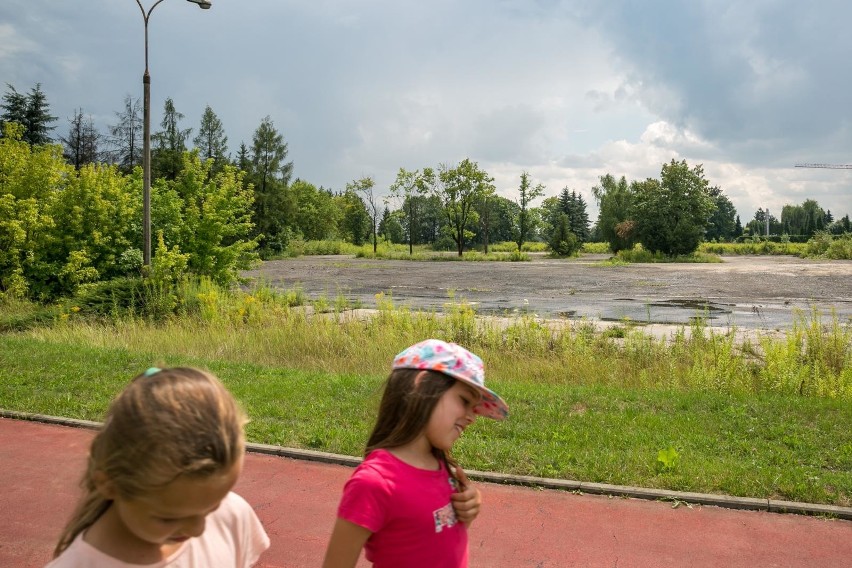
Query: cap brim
x,y
491,405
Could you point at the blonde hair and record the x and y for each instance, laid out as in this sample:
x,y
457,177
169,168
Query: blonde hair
x,y
163,425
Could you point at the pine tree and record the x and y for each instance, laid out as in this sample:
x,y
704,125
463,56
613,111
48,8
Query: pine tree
x,y
270,175
14,107
38,118
169,144
211,140
31,111
572,204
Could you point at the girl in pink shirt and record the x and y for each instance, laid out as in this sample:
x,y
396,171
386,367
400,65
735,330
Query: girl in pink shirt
x,y
159,478
409,503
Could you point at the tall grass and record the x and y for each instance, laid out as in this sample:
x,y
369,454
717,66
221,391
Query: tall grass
x,y
509,246
270,327
758,248
639,254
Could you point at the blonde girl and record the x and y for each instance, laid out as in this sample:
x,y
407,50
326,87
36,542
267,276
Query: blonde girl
x,y
409,503
159,478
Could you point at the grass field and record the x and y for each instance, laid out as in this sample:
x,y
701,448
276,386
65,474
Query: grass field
x,y
696,413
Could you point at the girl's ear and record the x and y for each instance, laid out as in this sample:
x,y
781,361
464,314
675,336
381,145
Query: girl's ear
x,y
104,485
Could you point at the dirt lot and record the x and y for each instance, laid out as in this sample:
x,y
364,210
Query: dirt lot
x,y
756,292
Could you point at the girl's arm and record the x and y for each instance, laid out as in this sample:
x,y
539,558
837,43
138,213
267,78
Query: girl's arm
x,y
345,545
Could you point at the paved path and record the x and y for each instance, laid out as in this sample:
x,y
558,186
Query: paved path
x,y
519,527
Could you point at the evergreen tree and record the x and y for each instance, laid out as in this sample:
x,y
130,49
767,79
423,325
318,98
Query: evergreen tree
x,y
211,140
38,118
31,111
169,144
243,161
270,175
738,228
81,143
126,136
14,106
573,205
563,242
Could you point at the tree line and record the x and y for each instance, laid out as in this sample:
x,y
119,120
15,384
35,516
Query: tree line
x,y
70,211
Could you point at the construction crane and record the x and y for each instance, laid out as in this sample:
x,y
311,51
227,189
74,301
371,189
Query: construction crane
x,y
829,166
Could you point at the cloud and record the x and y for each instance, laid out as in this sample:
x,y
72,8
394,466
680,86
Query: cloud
x,y
567,90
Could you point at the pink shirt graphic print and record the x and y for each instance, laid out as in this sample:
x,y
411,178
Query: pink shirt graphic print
x,y
409,512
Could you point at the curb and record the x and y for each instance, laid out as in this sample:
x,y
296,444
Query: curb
x,y
726,501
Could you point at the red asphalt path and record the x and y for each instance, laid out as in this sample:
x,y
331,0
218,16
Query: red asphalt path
x,y
40,466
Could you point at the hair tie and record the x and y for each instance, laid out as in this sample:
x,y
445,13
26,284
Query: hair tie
x,y
152,371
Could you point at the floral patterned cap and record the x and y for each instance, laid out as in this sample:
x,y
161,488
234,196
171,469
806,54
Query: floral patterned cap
x,y
457,362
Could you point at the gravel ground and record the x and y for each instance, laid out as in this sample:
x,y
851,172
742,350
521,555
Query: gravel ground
x,y
753,292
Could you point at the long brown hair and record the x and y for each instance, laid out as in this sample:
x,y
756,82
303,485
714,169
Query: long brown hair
x,y
408,400
174,422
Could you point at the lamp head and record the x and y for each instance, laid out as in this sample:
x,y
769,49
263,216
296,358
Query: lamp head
x,y
203,4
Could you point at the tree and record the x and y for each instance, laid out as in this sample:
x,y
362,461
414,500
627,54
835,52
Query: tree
x,y
365,187
459,190
270,175
316,215
523,222
738,228
126,136
355,223
208,217
243,160
485,211
614,198
211,140
408,186
14,108
672,214
60,227
31,111
563,242
169,144
572,204
81,143
502,215
764,223
390,227
722,223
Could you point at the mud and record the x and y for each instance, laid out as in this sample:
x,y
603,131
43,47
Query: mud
x,y
753,292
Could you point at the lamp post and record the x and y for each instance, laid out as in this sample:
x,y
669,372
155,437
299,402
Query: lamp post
x,y
146,135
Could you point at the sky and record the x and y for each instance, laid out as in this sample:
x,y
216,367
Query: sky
x,y
565,90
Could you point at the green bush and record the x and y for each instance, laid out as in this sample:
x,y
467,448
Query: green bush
x,y
824,245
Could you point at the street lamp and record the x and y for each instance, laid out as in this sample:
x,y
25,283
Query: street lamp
x,y
146,135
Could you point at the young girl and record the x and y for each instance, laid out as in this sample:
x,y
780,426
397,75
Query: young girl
x,y
408,503
159,481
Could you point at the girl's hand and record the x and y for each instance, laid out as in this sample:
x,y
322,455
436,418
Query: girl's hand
x,y
467,501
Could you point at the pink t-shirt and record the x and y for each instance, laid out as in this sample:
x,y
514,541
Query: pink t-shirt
x,y
409,512
233,538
